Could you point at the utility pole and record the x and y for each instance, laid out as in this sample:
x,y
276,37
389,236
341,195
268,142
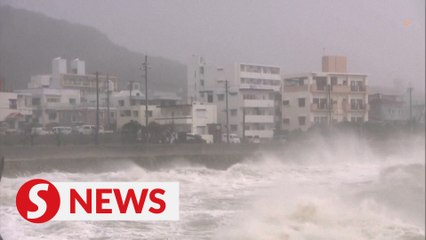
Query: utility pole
x,y
227,111
130,92
173,121
145,76
244,124
410,92
97,110
108,110
330,104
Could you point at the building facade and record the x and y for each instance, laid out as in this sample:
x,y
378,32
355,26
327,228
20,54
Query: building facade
x,y
77,79
249,92
387,108
46,103
323,98
15,111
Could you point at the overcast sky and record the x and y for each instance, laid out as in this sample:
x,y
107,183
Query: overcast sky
x,y
383,38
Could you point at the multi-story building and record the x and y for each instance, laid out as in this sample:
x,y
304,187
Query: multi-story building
x,y
75,79
48,102
387,108
324,98
126,114
15,111
248,91
192,118
201,78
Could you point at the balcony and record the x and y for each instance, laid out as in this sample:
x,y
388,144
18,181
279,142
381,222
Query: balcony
x,y
258,103
260,75
275,88
316,88
176,120
259,119
359,107
341,88
320,107
303,88
358,88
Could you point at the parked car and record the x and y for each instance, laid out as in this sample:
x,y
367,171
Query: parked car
x,y
233,138
39,131
254,139
184,137
62,130
86,129
194,138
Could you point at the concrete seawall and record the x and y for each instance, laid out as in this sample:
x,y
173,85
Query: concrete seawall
x,y
81,158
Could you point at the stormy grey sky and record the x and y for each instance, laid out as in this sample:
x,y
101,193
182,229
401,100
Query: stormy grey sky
x,y
383,38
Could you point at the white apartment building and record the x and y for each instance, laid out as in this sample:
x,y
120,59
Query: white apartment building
x,y
126,114
323,98
77,79
201,78
47,102
15,110
252,90
191,118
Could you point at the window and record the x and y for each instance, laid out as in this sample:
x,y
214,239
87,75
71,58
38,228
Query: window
x,y
52,115
302,121
286,121
121,103
286,102
209,98
53,99
301,102
202,82
135,113
249,96
35,101
220,97
201,113
234,112
125,113
149,113
234,127
72,101
12,104
201,70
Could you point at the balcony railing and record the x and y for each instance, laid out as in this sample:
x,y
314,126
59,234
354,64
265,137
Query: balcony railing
x,y
320,107
259,118
258,103
340,88
316,88
296,88
359,107
358,88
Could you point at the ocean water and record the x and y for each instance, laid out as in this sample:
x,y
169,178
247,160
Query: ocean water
x,y
317,190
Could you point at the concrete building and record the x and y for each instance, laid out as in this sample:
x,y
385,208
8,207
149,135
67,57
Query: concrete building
x,y
201,77
252,91
126,114
387,108
48,102
323,98
191,118
15,111
76,79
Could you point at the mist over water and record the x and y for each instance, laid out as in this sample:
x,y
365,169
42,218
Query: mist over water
x,y
346,188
